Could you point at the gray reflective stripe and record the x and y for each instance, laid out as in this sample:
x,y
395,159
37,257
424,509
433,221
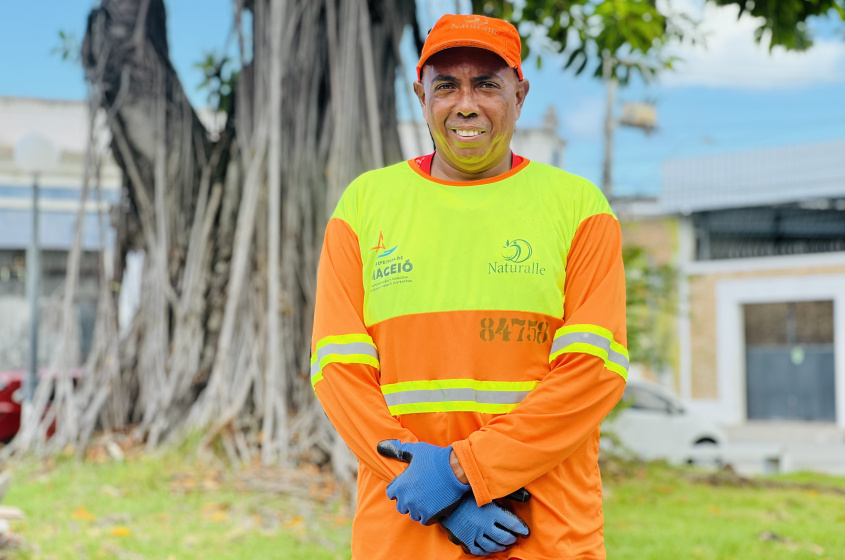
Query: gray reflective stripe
x,y
455,395
592,339
343,349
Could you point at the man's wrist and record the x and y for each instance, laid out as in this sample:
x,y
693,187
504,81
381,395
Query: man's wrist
x,y
457,468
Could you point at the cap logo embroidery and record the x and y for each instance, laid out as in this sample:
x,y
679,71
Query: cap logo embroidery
x,y
477,19
477,22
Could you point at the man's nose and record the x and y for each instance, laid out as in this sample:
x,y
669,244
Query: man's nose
x,y
466,106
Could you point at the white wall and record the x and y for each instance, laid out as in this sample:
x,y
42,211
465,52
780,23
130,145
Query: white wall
x,y
731,295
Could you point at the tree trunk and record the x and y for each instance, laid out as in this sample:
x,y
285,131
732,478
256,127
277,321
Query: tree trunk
x,y
220,342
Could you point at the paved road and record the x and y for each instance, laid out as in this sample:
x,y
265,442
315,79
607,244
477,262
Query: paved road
x,y
806,446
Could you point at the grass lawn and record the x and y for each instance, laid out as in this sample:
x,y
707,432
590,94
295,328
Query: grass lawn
x,y
171,506
656,512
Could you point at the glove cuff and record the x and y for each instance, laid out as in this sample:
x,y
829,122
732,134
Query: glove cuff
x,y
453,481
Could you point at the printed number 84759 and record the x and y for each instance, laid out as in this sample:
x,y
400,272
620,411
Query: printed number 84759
x,y
520,329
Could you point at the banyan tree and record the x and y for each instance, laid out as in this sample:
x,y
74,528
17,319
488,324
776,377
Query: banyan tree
x,y
229,222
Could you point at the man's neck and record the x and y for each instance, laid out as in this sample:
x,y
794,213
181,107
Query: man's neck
x,y
441,169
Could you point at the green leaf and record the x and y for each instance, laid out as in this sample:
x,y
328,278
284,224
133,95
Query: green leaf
x,y
572,57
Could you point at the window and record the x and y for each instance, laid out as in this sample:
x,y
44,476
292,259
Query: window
x,y
769,231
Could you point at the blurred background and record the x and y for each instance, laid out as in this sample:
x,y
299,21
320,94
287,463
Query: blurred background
x,y
183,157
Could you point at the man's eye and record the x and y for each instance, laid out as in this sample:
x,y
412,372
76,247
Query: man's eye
x,y
488,84
443,86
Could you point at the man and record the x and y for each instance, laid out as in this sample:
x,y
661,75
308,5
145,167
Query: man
x,y
471,310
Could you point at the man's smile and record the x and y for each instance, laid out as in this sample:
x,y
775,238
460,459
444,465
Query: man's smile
x,y
466,133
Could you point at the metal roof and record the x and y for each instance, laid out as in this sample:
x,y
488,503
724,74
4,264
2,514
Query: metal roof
x,y
758,178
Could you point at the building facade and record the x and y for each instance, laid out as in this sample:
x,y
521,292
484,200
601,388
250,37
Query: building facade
x,y
65,124
758,240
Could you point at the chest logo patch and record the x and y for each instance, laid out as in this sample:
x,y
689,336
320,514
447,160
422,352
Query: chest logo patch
x,y
380,246
389,269
514,260
517,251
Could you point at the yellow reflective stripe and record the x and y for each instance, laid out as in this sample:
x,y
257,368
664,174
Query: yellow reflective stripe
x,y
356,348
459,384
453,406
595,329
456,395
594,340
342,359
343,339
616,347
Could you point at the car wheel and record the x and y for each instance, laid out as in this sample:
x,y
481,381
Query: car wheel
x,y
707,443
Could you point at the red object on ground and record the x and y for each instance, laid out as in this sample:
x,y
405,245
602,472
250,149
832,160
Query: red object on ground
x,y
11,396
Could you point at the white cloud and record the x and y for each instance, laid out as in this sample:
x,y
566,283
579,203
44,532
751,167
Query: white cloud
x,y
731,57
585,121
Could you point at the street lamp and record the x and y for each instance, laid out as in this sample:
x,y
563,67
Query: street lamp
x,y
34,154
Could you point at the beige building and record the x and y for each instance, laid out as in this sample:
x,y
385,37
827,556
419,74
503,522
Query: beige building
x,y
758,240
65,124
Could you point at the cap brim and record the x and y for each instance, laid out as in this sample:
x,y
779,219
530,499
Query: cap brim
x,y
466,43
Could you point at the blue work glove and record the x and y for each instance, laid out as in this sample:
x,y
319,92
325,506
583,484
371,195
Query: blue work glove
x,y
428,489
483,530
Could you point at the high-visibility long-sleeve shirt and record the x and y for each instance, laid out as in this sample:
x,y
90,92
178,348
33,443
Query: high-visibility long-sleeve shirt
x,y
487,315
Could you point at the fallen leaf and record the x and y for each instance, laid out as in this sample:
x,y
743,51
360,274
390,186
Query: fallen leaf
x,y
120,531
82,514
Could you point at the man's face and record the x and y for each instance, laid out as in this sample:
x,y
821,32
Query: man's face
x,y
471,100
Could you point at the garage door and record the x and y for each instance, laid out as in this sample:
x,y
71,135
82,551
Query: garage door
x,y
790,361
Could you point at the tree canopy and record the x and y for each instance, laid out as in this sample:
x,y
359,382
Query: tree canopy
x,y
634,33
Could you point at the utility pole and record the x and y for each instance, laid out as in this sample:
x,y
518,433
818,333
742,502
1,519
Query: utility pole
x,y
36,155
635,115
609,77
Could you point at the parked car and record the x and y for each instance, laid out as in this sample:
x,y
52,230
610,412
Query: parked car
x,y
655,424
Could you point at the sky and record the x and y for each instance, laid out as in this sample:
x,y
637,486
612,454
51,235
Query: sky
x,y
728,96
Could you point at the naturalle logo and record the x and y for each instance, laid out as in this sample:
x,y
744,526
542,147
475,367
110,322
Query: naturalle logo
x,y
476,22
477,19
517,251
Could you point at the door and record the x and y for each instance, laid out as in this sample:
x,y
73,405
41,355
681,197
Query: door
x,y
790,361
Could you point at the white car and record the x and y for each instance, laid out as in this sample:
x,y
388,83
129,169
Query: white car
x,y
655,424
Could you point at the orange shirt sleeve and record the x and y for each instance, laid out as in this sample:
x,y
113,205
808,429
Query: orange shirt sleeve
x,y
587,377
344,363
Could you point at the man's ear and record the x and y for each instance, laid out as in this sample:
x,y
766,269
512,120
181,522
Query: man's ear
x,y
521,91
419,89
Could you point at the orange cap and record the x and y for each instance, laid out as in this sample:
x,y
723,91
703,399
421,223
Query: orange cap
x,y
492,34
